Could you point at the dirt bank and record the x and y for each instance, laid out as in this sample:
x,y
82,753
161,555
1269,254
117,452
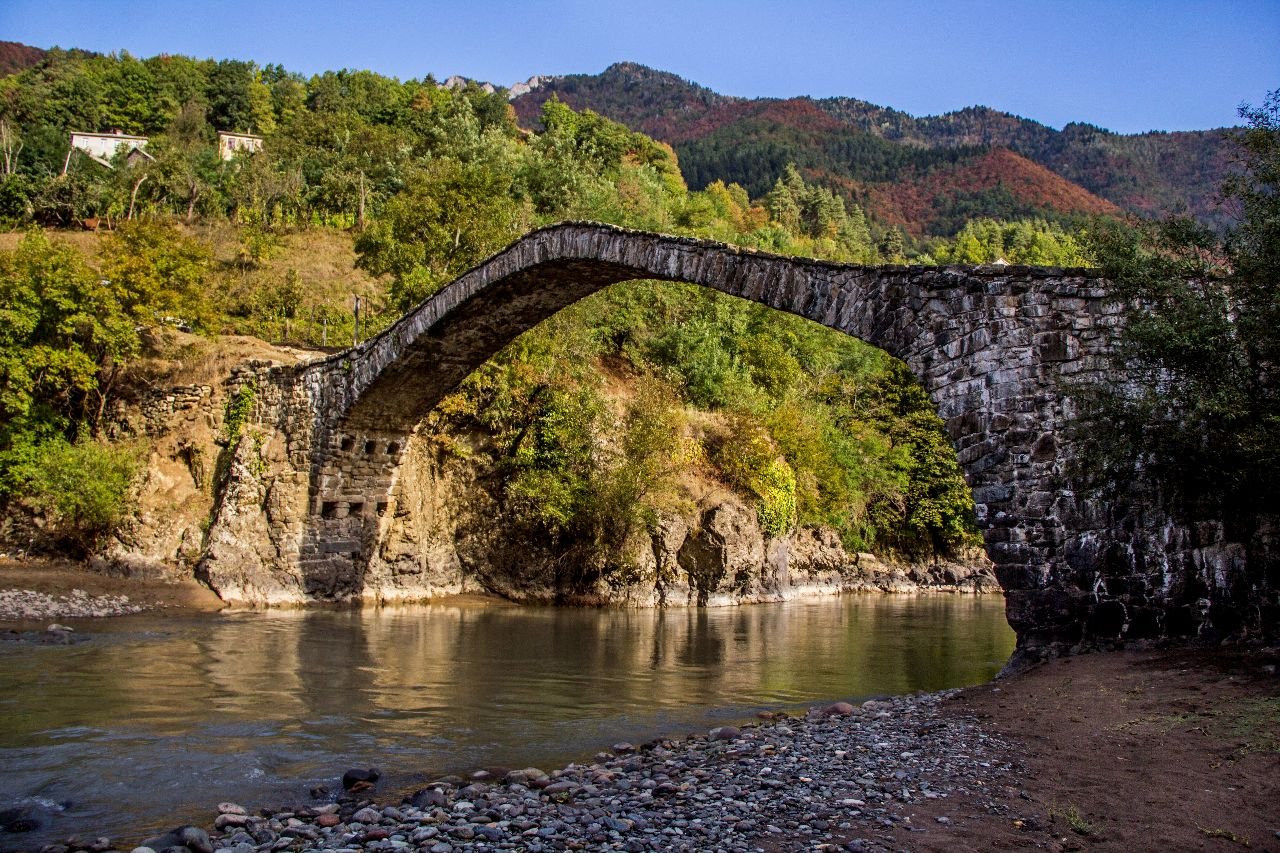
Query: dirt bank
x,y
1126,751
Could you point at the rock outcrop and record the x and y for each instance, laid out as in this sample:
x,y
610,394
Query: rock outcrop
x,y
450,535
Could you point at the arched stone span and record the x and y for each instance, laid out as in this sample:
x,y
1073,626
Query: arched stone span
x,y
995,348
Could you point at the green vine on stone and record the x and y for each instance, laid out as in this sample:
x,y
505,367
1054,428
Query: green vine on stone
x,y
238,410
236,414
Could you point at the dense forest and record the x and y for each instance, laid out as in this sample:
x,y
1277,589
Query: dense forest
x,y
425,181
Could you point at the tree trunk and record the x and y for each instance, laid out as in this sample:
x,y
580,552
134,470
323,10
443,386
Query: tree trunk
x,y
133,196
360,218
191,201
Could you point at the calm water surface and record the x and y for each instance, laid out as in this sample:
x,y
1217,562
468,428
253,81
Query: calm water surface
x,y
158,718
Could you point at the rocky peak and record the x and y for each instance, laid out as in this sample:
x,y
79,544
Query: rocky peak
x,y
534,82
458,82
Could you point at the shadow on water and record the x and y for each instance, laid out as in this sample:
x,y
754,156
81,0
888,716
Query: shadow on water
x,y
157,718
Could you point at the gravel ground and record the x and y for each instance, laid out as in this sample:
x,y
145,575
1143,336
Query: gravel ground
x,y
43,590
18,605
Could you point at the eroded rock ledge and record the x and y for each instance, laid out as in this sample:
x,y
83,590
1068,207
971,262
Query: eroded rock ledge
x,y
450,535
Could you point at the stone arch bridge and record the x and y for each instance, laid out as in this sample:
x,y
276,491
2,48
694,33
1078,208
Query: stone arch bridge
x,y
996,348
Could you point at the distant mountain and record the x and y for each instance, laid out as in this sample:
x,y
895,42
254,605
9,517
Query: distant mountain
x,y
927,174
998,182
15,57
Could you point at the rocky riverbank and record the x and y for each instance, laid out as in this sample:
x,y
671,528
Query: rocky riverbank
x,y
35,590
17,605
842,772
1125,751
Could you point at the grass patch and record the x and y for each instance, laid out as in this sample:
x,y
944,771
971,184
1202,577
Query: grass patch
x,y
1253,724
1072,818
1257,723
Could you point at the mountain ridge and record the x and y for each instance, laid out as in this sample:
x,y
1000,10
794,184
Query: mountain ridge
x,y
1150,174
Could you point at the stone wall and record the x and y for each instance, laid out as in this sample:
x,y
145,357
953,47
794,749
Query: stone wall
x,y
998,349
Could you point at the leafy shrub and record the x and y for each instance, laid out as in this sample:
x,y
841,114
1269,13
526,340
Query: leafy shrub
x,y
750,460
83,490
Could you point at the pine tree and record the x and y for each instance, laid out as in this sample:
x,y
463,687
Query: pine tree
x,y
893,246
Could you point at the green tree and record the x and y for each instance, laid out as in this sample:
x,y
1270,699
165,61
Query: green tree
x,y
157,274
450,216
1035,242
63,338
187,170
893,246
230,95
1198,421
129,95
934,514
178,80
784,201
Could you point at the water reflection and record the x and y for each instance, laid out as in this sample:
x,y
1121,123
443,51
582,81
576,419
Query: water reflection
x,y
159,718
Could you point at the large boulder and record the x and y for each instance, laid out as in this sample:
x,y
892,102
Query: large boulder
x,y
818,550
725,553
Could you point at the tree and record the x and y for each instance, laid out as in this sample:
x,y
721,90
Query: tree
x,y
893,246
1198,421
450,216
1254,246
128,95
288,94
177,80
230,95
10,148
187,169
783,206
157,274
63,334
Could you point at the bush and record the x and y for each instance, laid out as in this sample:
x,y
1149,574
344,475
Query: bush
x,y
83,490
751,461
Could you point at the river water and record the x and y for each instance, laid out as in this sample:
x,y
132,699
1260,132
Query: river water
x,y
158,718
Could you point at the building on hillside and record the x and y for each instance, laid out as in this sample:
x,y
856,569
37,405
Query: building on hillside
x,y
137,156
230,144
102,147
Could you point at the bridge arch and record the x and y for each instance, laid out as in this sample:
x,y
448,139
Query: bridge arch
x,y
994,347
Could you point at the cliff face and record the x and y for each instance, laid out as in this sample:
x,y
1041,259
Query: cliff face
x,y
175,406
452,535
449,533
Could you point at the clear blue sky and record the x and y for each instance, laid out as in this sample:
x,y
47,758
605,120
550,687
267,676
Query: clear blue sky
x,y
1125,65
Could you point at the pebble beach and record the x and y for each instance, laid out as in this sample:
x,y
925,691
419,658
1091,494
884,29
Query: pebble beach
x,y
839,778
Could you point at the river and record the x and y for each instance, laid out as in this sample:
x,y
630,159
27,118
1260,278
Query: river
x,y
158,717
